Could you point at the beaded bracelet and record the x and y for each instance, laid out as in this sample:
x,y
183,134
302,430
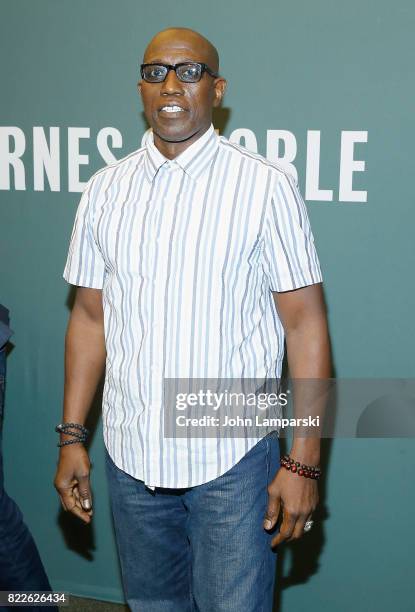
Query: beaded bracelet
x,y
79,436
64,426
308,471
66,442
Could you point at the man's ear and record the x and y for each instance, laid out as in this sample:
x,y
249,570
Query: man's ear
x,y
220,87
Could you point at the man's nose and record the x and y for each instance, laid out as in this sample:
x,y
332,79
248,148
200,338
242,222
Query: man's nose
x,y
171,83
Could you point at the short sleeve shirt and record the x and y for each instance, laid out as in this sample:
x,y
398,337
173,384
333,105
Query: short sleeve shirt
x,y
187,253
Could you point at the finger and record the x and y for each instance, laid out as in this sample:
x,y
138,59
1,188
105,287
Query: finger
x,y
85,492
298,530
62,504
80,513
272,511
77,497
286,529
67,497
70,504
79,502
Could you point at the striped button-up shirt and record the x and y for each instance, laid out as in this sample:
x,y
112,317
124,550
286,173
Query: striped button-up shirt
x,y
187,253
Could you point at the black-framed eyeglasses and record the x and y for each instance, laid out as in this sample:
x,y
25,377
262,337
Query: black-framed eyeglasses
x,y
188,72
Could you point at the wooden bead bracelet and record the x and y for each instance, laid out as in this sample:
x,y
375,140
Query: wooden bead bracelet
x,y
308,471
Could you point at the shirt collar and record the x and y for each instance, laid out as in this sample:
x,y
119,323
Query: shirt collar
x,y
193,161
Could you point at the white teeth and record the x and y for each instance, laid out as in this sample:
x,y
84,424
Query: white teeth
x,y
172,109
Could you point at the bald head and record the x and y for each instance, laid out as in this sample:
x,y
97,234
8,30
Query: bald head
x,y
186,40
179,110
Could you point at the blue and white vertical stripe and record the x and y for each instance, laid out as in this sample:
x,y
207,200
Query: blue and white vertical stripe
x,y
187,253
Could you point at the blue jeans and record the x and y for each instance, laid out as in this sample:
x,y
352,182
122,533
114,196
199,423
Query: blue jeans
x,y
21,568
198,549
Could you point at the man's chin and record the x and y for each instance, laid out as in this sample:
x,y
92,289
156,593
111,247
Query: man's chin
x,y
174,134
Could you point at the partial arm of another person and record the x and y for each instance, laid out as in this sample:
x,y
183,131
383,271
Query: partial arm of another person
x,y
84,365
303,315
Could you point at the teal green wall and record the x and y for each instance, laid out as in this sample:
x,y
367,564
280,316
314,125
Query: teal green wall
x,y
328,66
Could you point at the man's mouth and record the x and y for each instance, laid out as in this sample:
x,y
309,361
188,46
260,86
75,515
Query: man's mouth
x,y
171,109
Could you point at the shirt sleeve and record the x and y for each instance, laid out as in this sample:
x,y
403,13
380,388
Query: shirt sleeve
x,y
85,265
290,255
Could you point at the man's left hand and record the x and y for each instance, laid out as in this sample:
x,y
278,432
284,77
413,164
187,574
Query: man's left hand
x,y
297,497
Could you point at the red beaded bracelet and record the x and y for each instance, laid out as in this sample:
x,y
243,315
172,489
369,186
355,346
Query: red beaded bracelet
x,y
308,471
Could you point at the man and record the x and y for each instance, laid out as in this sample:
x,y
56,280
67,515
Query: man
x,y
177,252
21,568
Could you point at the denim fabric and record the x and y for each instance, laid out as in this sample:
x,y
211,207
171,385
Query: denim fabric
x,y
197,549
5,333
21,568
2,383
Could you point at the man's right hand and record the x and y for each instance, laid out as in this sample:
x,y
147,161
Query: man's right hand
x,y
72,481
85,356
